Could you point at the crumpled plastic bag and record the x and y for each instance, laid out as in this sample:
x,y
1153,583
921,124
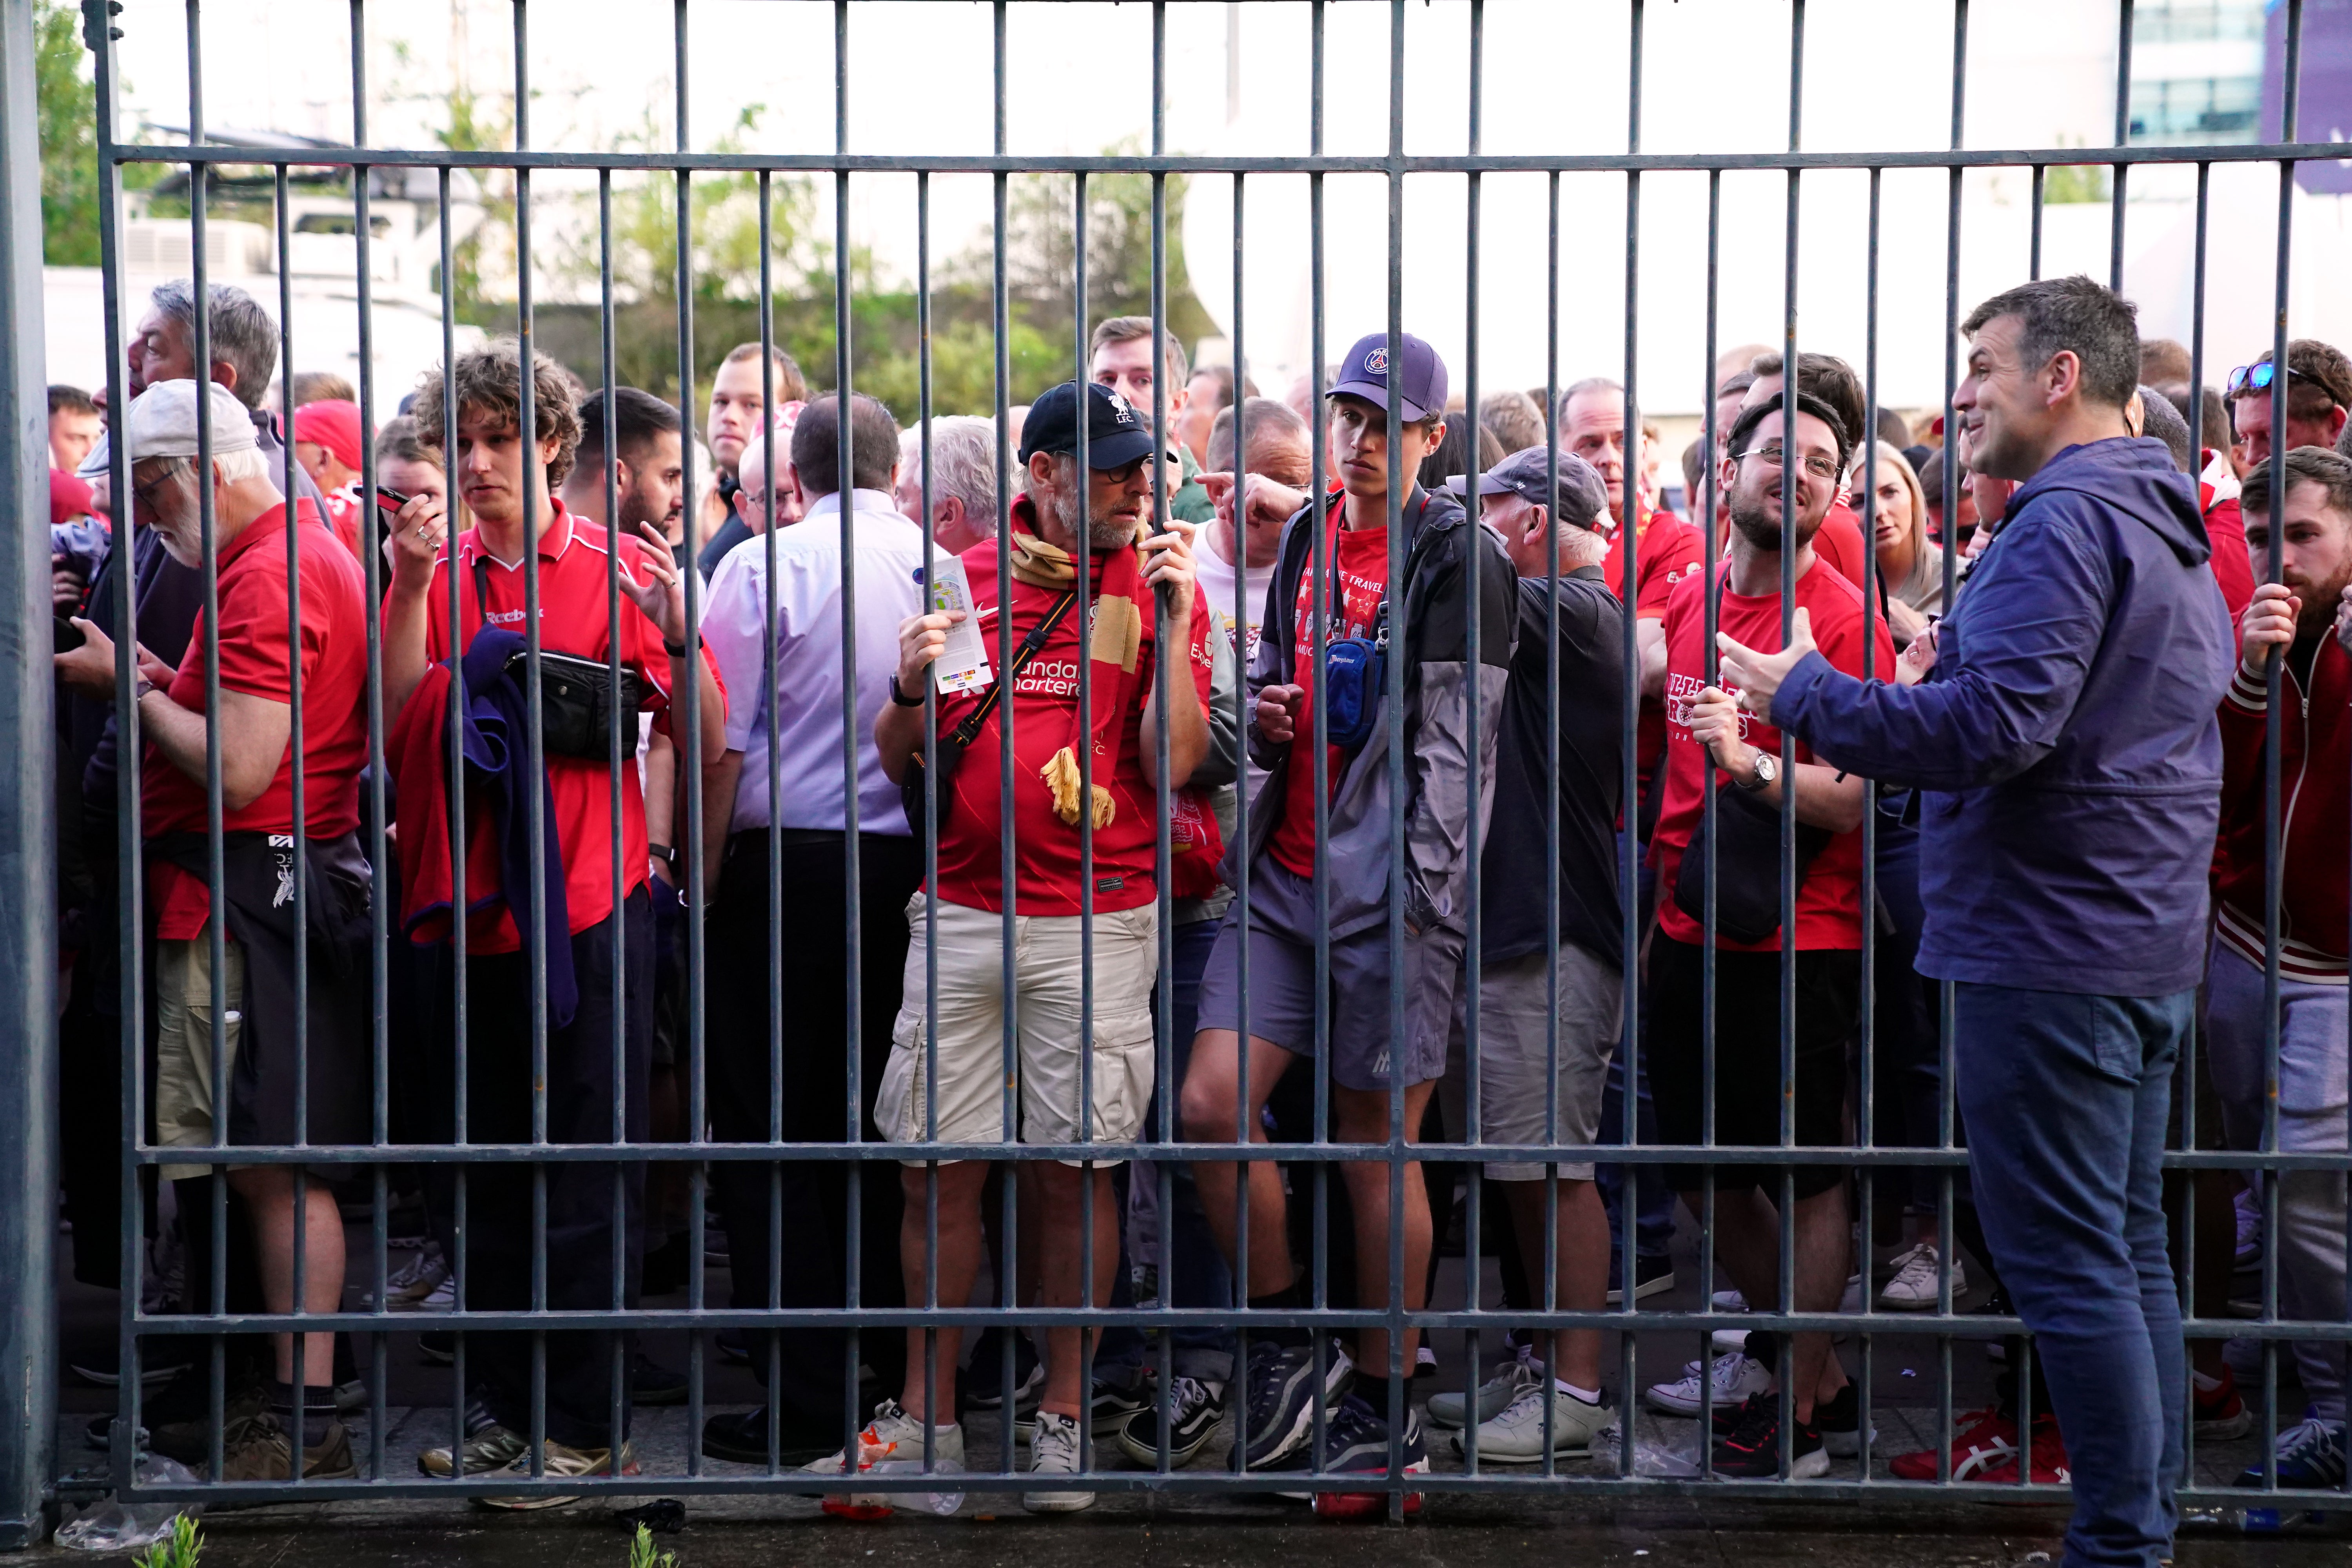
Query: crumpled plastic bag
x,y
1649,1459
115,1526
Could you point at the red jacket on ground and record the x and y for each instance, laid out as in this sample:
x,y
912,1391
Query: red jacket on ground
x,y
2314,815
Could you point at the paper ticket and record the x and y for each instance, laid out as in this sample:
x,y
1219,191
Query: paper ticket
x,y
963,665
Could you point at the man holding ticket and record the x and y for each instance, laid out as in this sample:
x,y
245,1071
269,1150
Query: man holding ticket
x,y
1103,624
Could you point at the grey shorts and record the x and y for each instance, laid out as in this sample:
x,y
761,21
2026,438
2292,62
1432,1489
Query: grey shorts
x,y
1281,940
1517,998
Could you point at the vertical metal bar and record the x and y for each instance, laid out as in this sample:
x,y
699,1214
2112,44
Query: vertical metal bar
x,y
1009,1209
1866,1185
460,1231
1397,1369
2122,172
299,790
1710,607
689,751
1629,712
930,833
538,936
98,35
769,636
215,870
1319,635
1471,587
2034,255
617,1404
846,481
1786,1294
28,954
1946,1016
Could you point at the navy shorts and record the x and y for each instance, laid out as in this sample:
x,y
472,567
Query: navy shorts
x,y
1281,939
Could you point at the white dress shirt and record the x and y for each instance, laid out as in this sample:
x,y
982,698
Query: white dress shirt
x,y
803,709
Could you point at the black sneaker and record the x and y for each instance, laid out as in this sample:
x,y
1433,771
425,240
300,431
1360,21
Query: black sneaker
x,y
1280,1396
653,1384
743,1436
982,1386
1840,1423
1356,1442
1121,1393
1194,1408
1651,1275
439,1345
1728,1417
1752,1452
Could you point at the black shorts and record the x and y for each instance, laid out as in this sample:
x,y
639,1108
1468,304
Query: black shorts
x,y
1747,1057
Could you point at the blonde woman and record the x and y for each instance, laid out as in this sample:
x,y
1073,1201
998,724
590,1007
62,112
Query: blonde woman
x,y
1910,563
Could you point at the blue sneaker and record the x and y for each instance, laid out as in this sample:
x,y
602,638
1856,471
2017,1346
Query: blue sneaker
x,y
2310,1458
1357,1442
1280,1395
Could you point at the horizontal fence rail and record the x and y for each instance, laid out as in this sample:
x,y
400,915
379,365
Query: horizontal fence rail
x,y
542,1091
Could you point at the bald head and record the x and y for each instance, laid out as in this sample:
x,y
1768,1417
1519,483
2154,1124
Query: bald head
x,y
752,501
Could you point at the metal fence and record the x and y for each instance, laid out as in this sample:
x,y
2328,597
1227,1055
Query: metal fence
x,y
472,1166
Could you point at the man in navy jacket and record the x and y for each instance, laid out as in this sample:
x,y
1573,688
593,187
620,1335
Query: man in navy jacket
x,y
2065,746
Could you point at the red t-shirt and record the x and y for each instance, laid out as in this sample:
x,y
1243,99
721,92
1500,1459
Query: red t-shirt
x,y
1360,557
574,560
2233,567
1667,551
254,660
1829,905
1839,542
1044,704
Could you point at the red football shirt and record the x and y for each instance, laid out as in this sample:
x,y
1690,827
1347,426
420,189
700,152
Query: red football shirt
x,y
1359,556
1839,542
255,658
575,560
1829,905
1045,704
343,513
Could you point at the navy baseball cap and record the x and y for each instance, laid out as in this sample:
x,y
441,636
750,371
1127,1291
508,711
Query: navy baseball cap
x,y
1116,434
1420,379
1583,494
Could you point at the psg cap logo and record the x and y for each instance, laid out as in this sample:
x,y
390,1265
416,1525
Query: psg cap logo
x,y
1377,362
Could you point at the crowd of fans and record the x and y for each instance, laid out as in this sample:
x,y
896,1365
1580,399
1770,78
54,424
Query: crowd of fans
x,y
2113,570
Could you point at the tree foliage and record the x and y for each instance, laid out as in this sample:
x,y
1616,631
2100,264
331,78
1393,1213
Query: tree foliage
x,y
68,108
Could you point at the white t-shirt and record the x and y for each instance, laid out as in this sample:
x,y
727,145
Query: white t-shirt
x,y
1232,605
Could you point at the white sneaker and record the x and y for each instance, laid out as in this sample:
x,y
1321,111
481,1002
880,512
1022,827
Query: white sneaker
x,y
1497,1395
1851,1302
1729,1301
1517,1436
443,1297
892,1440
1913,1288
1053,1451
1736,1376
414,1282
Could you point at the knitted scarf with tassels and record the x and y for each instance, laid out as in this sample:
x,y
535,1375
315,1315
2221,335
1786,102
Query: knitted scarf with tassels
x,y
1121,620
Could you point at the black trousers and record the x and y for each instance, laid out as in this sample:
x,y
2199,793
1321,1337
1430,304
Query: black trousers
x,y
594,1209
809,1265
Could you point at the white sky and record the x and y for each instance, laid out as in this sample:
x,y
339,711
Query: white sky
x,y
1716,74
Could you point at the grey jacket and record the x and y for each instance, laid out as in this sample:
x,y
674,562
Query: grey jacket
x,y
1445,553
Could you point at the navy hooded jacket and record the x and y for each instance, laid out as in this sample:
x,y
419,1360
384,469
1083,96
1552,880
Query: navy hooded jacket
x,y
2066,744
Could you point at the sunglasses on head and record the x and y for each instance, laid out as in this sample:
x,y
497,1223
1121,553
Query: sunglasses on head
x,y
2258,378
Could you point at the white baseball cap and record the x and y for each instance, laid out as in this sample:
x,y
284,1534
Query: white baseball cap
x,y
163,421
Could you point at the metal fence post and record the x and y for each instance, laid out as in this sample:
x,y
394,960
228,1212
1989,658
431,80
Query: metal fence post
x,y
28,959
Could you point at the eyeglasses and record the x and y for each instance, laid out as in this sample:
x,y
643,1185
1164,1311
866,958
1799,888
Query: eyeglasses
x,y
144,493
1820,467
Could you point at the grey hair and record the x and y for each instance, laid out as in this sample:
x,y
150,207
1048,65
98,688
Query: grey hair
x,y
963,465
241,332
1575,390
2074,315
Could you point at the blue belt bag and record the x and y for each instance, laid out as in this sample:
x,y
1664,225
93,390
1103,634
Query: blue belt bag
x,y
1355,679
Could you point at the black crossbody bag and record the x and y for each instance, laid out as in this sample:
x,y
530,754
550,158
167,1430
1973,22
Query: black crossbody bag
x,y
953,744
578,700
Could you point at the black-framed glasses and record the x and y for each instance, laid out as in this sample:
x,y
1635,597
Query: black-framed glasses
x,y
143,493
1821,468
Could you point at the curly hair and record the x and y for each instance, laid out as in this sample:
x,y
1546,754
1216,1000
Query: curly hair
x,y
489,380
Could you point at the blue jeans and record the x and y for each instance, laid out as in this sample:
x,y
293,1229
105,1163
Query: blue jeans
x,y
1193,1272
2066,1098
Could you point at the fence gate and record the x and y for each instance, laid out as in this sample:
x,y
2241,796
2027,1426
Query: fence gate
x,y
464,1175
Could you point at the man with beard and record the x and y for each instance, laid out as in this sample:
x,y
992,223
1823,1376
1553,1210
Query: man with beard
x,y
2292,617
1706,729
2070,764
647,461
1134,592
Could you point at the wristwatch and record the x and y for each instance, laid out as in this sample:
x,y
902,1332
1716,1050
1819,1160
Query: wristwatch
x,y
900,698
1768,768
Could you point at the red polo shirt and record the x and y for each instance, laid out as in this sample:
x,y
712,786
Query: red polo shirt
x,y
575,564
256,658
